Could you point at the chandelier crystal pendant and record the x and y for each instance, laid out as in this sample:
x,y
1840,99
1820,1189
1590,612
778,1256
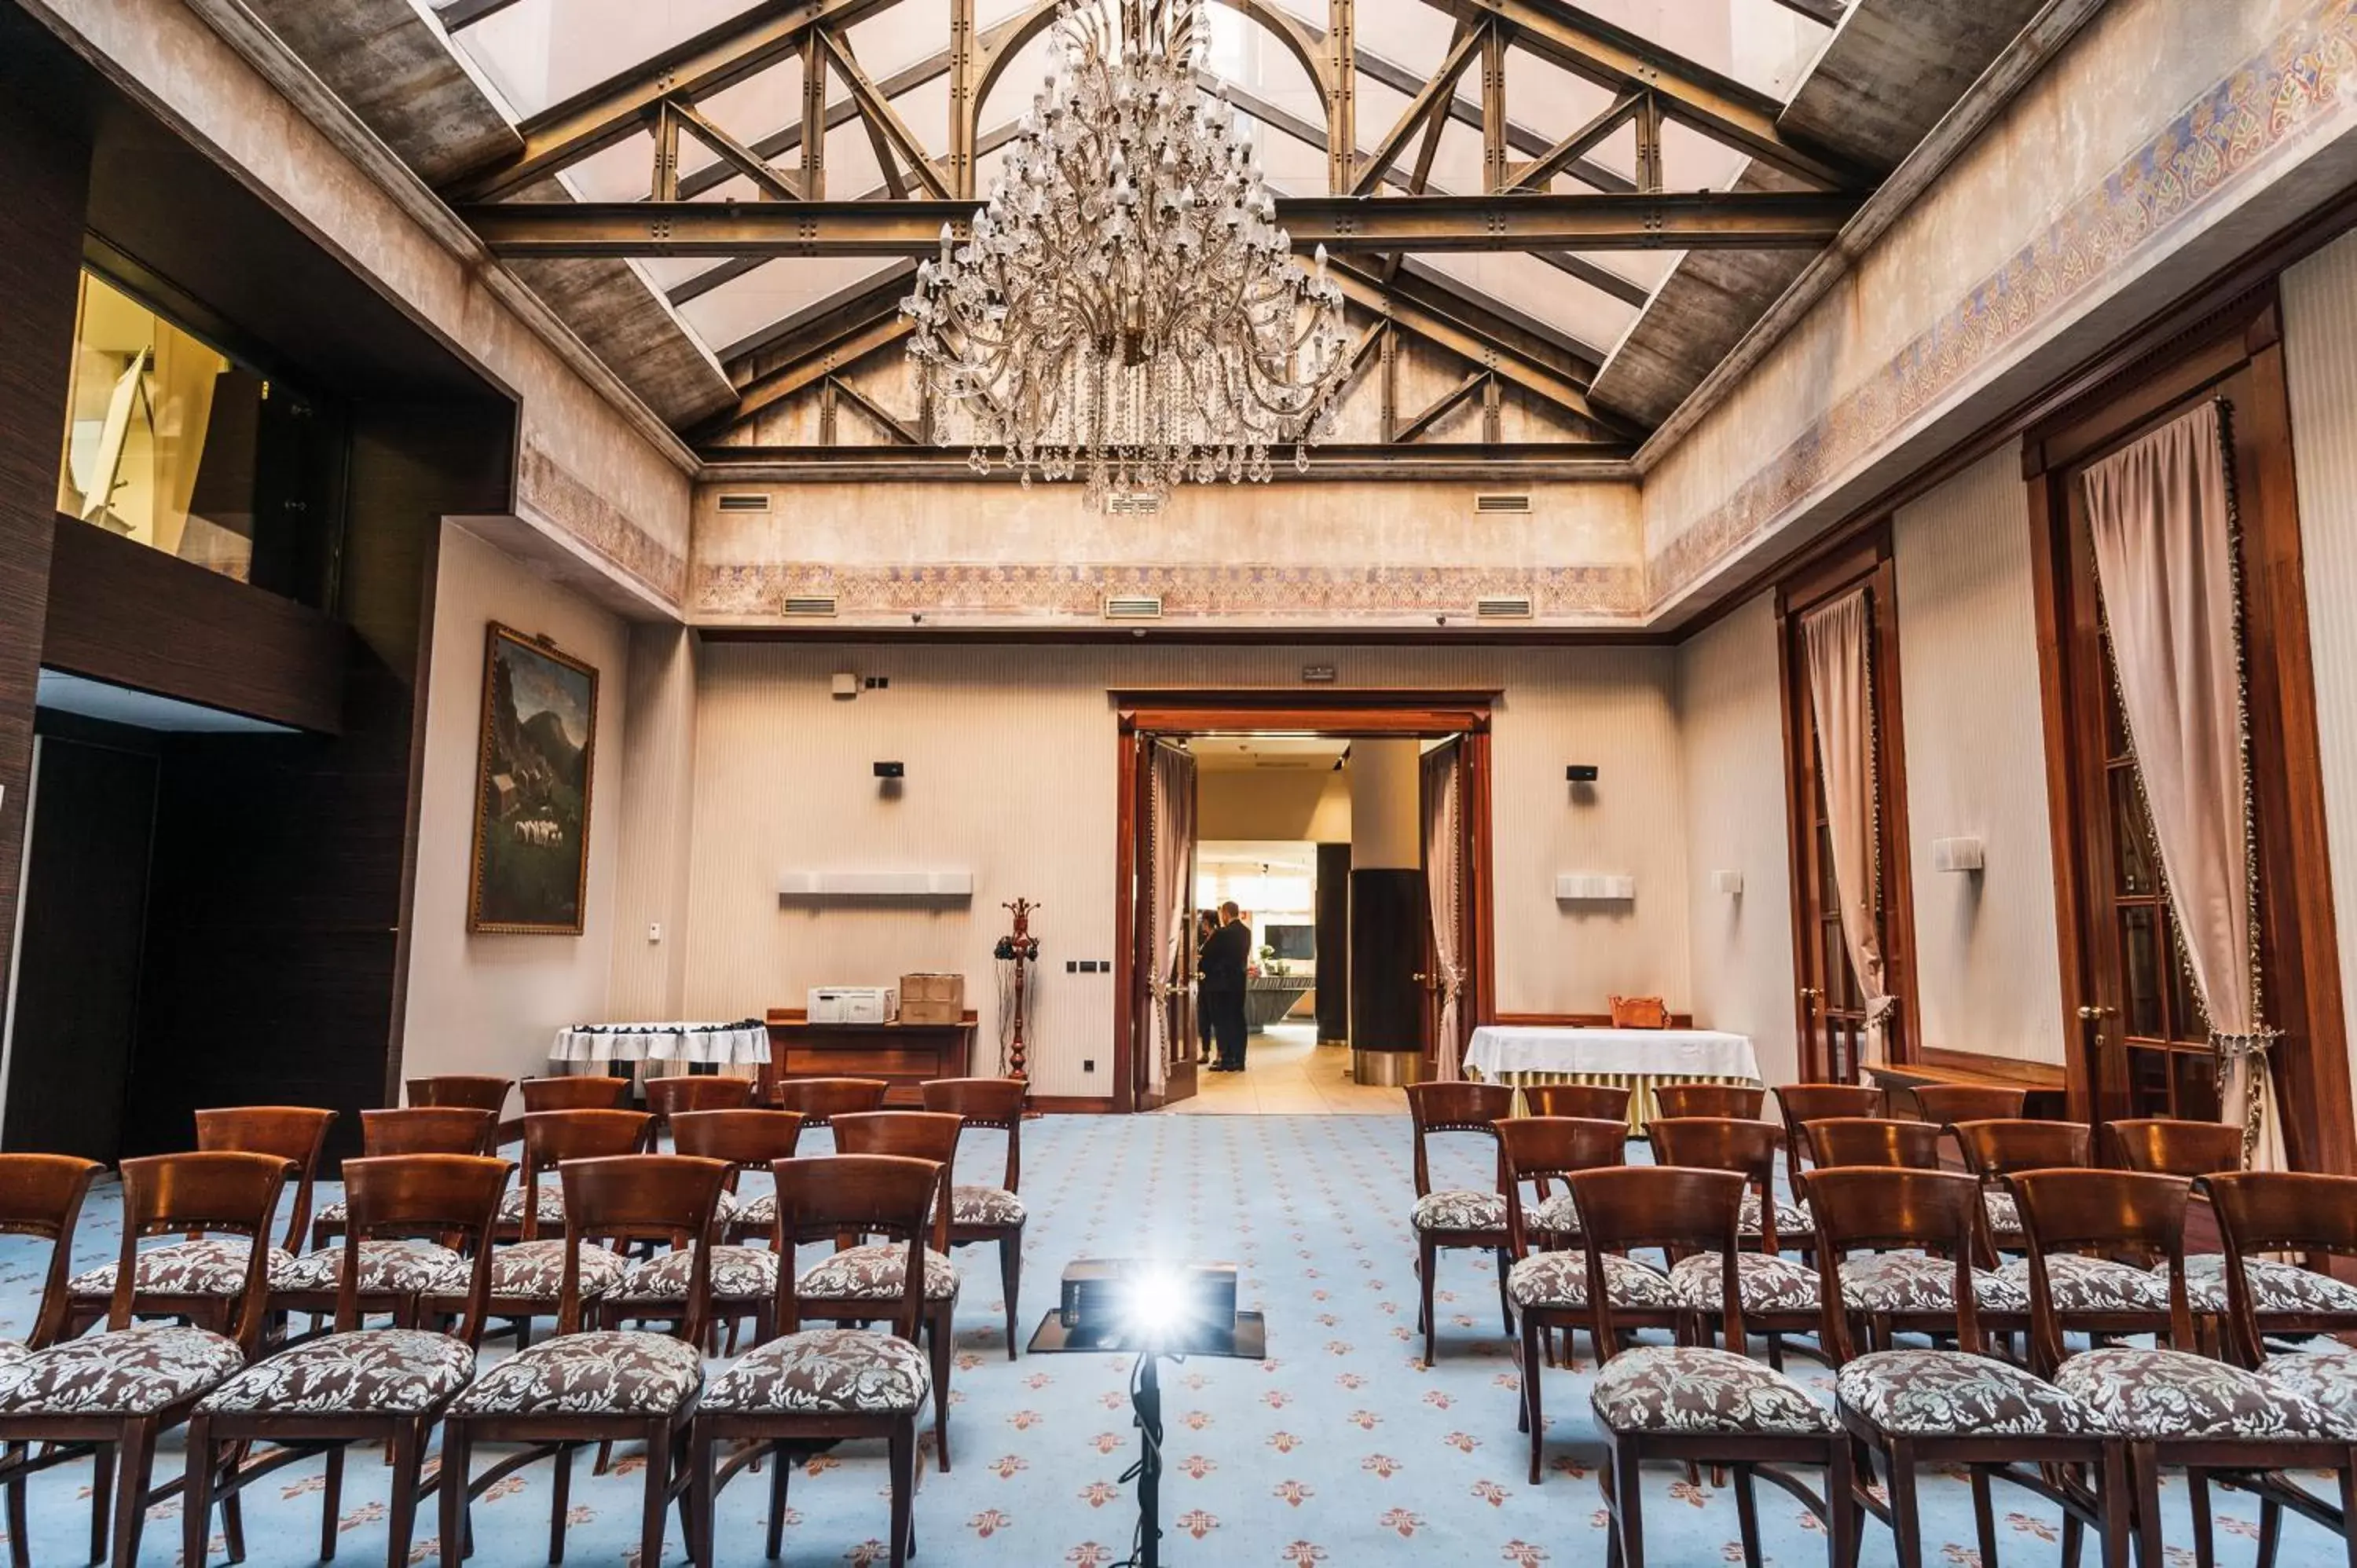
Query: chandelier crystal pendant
x,y
1126,308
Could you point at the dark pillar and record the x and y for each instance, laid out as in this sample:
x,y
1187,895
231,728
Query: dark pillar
x,y
1333,943
1388,912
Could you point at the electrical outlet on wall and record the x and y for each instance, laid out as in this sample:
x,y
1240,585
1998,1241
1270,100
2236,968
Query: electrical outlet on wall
x,y
654,930
1088,1064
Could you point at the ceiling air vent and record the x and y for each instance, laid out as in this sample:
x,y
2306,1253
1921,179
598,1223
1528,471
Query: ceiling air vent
x,y
1132,503
1487,502
1133,607
806,604
744,501
1505,608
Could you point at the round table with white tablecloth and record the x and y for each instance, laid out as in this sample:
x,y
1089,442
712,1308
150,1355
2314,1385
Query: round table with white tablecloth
x,y
639,1051
1634,1059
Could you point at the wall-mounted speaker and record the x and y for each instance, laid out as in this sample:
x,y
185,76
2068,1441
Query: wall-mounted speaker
x,y
1580,773
888,770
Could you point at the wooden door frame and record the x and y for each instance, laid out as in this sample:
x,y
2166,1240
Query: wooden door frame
x,y
1150,716
2235,334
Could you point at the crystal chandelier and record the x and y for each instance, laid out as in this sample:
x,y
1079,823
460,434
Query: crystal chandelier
x,y
1126,308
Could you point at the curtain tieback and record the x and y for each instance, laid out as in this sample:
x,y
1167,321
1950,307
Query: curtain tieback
x,y
2251,1047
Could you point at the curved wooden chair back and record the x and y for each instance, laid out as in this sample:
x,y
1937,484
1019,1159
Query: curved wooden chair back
x,y
839,1195
453,1199
2109,1213
2276,1211
1999,1147
1682,1099
1589,1102
428,1130
747,1139
1944,1104
993,1102
1874,1141
668,1097
576,1093
462,1090
1623,1208
1453,1107
296,1133
234,1192
1726,1144
821,1100
1798,1104
1895,1209
913,1134
551,1139
632,1198
41,1195
1535,1149
2164,1145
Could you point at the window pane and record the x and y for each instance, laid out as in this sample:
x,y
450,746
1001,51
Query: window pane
x,y
2148,1080
2132,837
1828,892
2141,971
2196,1073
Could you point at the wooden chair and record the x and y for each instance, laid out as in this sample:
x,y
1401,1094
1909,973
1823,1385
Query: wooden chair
x,y
356,1384
42,1195
575,1093
1945,1104
1691,1403
1914,1408
1682,1099
585,1387
1780,1295
1589,1102
415,1130
200,1278
1551,1219
112,1394
1873,1140
853,1283
980,1214
666,1097
2164,1145
1460,1218
820,1099
817,1387
1996,1148
462,1090
1549,1288
1801,1103
744,1279
2169,1406
528,1278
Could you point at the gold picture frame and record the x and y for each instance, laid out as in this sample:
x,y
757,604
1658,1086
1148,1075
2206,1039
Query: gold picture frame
x,y
535,758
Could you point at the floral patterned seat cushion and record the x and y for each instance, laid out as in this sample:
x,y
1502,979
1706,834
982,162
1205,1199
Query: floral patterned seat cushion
x,y
610,1372
333,1212
875,1272
137,1371
2327,1379
2093,1284
984,1206
1560,1280
1768,1282
1793,1220
1930,1392
551,1206
1917,1281
760,1211
825,1371
2004,1214
2278,1286
2174,1393
389,1371
1556,1214
387,1267
214,1265
1461,1209
535,1271
1682,1388
738,1275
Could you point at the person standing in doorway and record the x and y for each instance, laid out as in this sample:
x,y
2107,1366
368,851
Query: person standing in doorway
x,y
1225,954
1206,922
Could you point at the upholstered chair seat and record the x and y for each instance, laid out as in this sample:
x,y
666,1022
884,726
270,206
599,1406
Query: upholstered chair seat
x,y
2326,1379
1555,1215
2004,1214
1793,1221
875,1271
978,1205
551,1206
134,1372
207,1266
738,1275
2156,1395
1768,1282
1460,1209
757,1212
2093,1284
1685,1388
1560,1280
387,1267
1918,1281
367,1371
2275,1286
535,1271
1952,1393
617,1372
825,1371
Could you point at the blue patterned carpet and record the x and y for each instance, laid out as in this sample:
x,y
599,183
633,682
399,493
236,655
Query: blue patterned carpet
x,y
1340,1449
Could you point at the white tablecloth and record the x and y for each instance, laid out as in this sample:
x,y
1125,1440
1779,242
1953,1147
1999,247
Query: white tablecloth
x,y
1499,1049
731,1044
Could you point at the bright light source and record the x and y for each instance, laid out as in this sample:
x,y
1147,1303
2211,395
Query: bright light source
x,y
1156,1304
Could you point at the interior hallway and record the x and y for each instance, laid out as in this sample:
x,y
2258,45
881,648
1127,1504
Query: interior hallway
x,y
1287,1073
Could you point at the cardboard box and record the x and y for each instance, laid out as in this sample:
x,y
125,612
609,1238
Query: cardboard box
x,y
932,998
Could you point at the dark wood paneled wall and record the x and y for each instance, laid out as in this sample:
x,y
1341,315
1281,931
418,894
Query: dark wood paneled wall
x,y
44,180
1334,942
1390,911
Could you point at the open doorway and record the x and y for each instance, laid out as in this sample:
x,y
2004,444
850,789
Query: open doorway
x,y
1368,935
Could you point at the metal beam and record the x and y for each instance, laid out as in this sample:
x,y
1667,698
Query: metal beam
x,y
740,159
1442,405
1443,84
899,429
1460,462
775,386
887,123
1542,381
1586,221
1535,174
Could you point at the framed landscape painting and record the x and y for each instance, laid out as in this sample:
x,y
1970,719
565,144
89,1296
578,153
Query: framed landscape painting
x,y
531,789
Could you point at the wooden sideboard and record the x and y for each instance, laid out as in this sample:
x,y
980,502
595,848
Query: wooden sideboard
x,y
2048,1088
903,1055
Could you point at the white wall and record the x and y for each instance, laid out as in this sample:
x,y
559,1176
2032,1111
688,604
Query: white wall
x,y
1988,967
1011,755
492,1004
1731,724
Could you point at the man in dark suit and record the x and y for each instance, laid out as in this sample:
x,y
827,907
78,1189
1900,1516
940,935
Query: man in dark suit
x,y
1225,956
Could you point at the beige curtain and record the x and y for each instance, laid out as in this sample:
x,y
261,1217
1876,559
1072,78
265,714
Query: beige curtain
x,y
1444,878
1841,689
181,401
1170,822
2162,512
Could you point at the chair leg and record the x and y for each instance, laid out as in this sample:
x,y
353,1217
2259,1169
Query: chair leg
x,y
400,1515
196,1496
1905,1520
2143,1473
1425,1252
2197,1501
1534,1409
781,1469
903,1444
331,1503
1628,1484
2270,1533
1010,1282
1746,1515
2349,1506
134,1477
1523,1386
560,1500
938,1333
1841,1505
702,1456
1984,1516
453,1488
20,1533
102,1499
1505,1296
2114,1508
658,1494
